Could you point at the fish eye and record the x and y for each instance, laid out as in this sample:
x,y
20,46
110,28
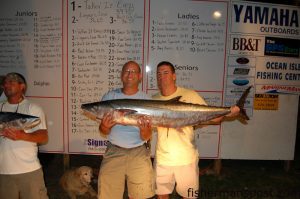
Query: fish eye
x,y
23,121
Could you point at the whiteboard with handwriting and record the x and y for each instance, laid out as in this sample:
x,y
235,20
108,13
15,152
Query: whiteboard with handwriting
x,y
72,52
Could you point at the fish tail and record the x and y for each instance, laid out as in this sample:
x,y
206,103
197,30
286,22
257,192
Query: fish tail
x,y
241,103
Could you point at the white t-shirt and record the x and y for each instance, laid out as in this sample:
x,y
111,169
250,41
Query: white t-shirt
x,y
18,157
177,148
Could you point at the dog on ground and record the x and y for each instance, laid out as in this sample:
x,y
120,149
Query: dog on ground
x,y
77,182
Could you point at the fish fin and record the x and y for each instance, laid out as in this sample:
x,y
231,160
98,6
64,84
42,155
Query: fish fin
x,y
241,103
175,99
126,111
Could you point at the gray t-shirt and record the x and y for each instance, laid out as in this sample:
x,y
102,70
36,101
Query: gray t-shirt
x,y
125,136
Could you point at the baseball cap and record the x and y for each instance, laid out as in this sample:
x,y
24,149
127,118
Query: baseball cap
x,y
15,77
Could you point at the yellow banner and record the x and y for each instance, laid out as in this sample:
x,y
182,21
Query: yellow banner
x,y
266,102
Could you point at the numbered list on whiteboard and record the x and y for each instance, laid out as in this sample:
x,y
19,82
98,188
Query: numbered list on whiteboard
x,y
102,36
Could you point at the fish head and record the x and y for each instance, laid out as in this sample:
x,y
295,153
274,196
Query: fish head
x,y
25,122
96,110
18,120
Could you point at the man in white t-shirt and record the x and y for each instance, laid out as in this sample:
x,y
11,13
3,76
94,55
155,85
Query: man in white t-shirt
x,y
176,154
21,176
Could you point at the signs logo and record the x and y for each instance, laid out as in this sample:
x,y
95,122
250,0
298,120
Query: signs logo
x,y
241,71
242,60
246,45
265,19
282,47
265,15
240,82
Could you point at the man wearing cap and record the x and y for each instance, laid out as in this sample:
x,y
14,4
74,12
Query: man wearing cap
x,y
21,175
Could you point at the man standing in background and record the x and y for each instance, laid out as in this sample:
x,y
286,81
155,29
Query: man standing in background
x,y
21,175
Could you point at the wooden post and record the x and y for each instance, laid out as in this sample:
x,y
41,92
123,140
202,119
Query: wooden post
x,y
66,162
217,166
287,165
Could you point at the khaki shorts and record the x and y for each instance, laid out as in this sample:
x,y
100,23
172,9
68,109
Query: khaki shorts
x,y
186,178
26,186
131,165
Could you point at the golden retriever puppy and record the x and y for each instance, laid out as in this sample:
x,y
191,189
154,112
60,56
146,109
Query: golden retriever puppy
x,y
77,182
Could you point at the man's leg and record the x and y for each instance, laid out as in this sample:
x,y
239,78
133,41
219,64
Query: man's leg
x,y
187,180
140,175
111,180
8,187
32,185
165,181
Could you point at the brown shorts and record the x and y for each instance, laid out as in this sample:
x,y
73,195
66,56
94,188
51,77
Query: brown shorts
x,y
26,186
131,165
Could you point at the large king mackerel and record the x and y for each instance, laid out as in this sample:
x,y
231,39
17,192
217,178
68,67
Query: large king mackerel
x,y
171,113
17,121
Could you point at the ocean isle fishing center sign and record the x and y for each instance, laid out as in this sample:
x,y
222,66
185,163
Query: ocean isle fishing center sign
x,y
277,75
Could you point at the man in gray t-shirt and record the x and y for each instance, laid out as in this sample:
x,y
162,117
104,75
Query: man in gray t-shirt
x,y
126,157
